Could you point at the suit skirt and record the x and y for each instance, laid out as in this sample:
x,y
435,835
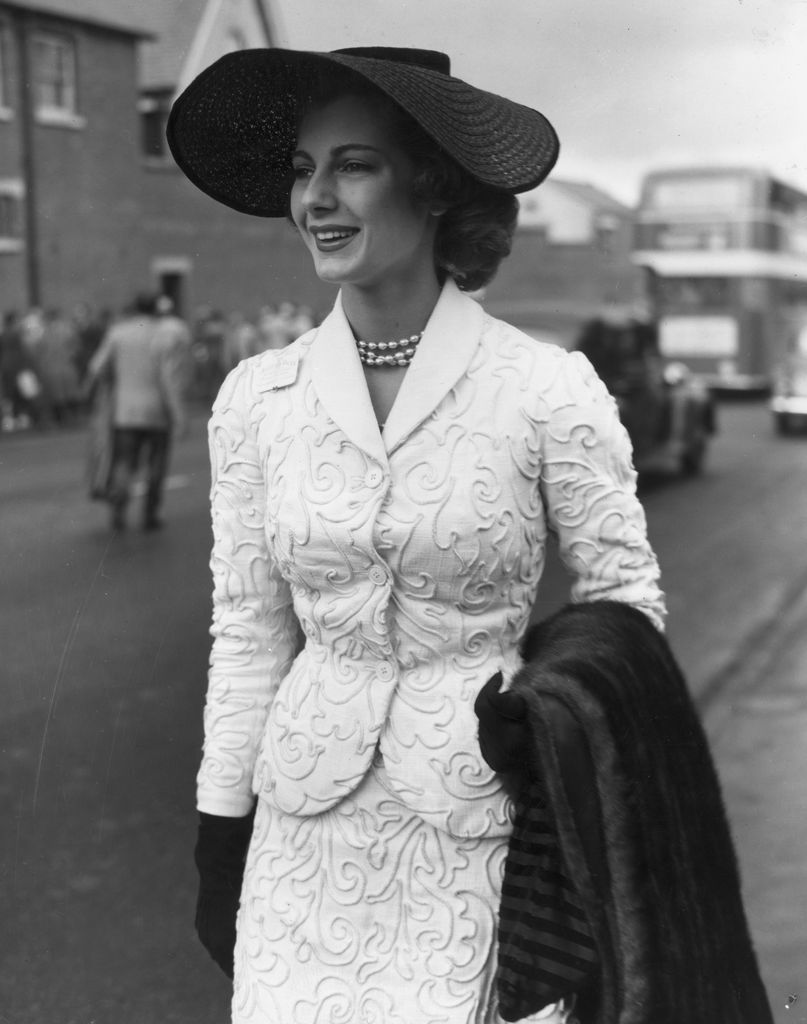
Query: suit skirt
x,y
366,914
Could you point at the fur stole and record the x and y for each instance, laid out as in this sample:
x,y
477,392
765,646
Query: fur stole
x,y
668,924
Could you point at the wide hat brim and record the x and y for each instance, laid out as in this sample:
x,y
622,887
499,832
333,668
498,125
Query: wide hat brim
x,y
232,131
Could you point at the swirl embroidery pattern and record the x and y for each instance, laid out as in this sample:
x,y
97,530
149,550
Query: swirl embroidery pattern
x,y
374,874
366,914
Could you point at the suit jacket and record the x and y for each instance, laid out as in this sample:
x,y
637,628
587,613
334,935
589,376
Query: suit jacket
x,y
146,360
406,562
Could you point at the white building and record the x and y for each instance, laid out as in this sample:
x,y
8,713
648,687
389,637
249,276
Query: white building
x,y
572,213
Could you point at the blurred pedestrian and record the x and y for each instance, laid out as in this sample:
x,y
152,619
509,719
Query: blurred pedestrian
x,y
22,391
209,339
145,364
273,329
9,359
32,331
302,321
241,340
382,492
287,323
90,326
177,336
57,354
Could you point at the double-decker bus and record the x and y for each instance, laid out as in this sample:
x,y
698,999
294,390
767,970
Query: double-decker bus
x,y
726,253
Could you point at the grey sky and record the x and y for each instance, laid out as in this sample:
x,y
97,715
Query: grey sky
x,y
629,84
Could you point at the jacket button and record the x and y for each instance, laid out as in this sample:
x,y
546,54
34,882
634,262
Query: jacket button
x,y
385,672
373,477
377,575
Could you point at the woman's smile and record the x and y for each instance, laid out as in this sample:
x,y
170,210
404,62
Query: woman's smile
x,y
332,239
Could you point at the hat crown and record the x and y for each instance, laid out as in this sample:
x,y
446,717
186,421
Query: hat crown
x,y
432,60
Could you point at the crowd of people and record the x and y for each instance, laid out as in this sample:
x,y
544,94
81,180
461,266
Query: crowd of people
x,y
45,354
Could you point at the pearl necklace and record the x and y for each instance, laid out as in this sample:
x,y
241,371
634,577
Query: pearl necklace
x,y
389,353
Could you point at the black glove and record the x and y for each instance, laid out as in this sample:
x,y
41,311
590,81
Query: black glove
x,y
220,854
504,734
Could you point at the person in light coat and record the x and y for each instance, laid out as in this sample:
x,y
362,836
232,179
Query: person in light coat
x,y
143,359
383,491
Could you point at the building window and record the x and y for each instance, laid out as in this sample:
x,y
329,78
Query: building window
x,y
11,194
54,77
154,112
699,294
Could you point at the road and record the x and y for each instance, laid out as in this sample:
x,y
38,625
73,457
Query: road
x,y
104,651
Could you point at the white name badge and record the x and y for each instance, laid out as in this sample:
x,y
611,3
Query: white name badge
x,y
279,372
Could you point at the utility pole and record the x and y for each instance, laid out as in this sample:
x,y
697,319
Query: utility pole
x,y
24,91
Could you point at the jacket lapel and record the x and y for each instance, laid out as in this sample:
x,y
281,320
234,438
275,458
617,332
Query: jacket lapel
x,y
338,379
449,341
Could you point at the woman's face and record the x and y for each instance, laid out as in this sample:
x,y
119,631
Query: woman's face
x,y
352,198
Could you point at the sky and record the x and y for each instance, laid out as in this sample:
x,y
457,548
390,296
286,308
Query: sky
x,y
630,85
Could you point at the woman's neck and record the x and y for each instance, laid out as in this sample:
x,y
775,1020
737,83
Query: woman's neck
x,y
386,313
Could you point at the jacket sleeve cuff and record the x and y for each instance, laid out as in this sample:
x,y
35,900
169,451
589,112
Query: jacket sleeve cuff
x,y
225,805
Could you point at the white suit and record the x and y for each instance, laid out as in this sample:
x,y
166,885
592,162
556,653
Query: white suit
x,y
410,559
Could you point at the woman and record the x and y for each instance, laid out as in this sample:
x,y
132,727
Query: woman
x,y
383,486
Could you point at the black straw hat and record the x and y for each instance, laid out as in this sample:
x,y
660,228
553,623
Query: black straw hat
x,y
232,131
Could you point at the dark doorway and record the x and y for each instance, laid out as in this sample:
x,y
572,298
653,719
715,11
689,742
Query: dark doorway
x,y
173,285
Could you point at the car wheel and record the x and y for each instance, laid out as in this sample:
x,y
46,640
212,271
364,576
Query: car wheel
x,y
781,422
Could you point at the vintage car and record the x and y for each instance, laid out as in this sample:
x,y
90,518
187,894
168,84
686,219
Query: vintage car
x,y
669,415
789,392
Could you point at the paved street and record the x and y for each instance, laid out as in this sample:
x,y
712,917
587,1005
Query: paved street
x,y
104,648
758,734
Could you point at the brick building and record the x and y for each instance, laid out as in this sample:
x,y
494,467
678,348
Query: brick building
x,y
199,251
92,208
70,180
571,260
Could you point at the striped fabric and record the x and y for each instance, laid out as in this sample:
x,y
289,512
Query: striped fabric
x,y
546,950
